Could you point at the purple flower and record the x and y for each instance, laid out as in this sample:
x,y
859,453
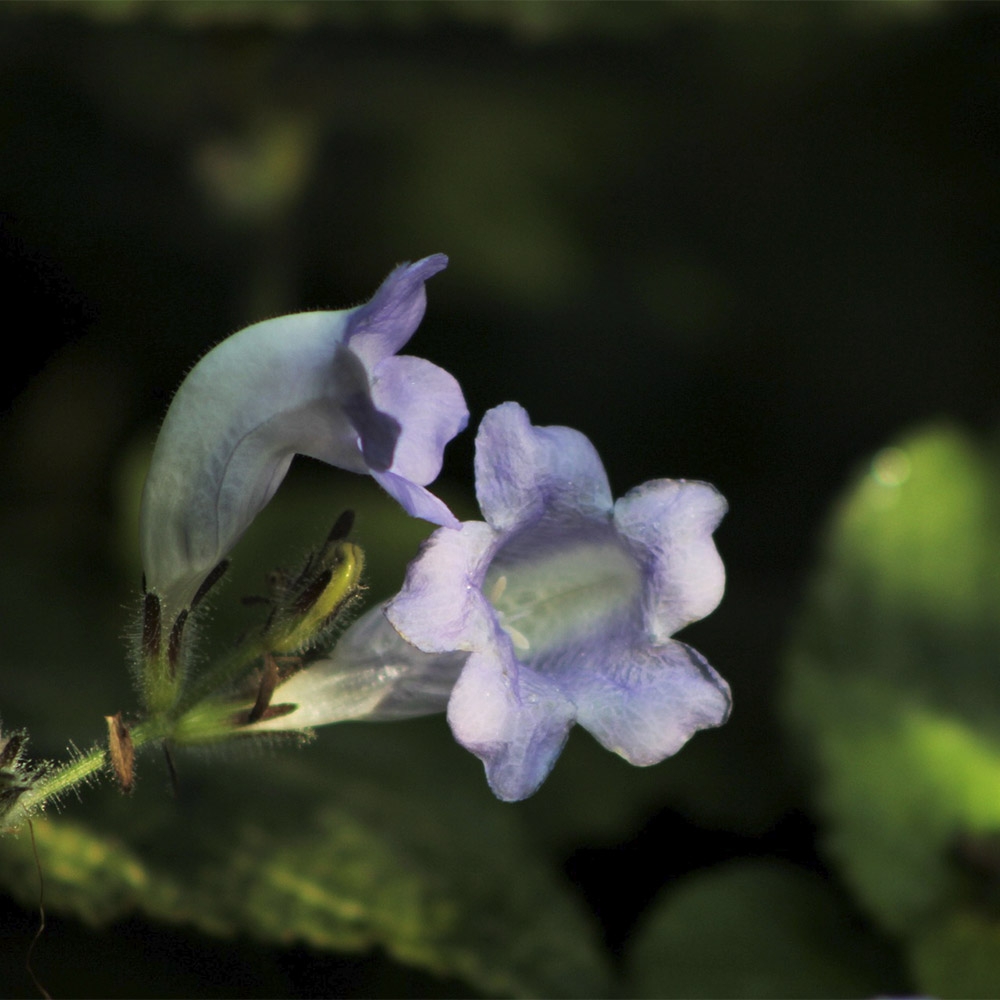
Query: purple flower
x,y
324,384
566,602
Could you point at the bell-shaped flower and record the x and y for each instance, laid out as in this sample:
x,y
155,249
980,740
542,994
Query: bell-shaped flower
x,y
565,602
324,384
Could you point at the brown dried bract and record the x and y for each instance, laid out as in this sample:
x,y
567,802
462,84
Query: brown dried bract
x,y
121,751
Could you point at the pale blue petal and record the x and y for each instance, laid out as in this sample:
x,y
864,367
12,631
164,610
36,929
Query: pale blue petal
x,y
229,436
671,523
372,674
649,701
525,472
441,606
565,604
417,501
517,729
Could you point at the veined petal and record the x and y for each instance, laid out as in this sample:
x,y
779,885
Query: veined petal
x,y
672,522
523,472
519,734
441,606
650,700
371,674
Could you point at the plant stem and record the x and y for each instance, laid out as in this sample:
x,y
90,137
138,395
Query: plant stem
x,y
74,772
163,725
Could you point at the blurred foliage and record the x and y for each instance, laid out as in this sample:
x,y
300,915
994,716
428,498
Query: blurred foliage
x,y
892,690
376,839
527,19
756,929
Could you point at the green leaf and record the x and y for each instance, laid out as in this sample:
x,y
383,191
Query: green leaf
x,y
901,784
958,957
892,689
373,836
754,929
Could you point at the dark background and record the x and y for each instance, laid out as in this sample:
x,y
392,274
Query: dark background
x,y
741,243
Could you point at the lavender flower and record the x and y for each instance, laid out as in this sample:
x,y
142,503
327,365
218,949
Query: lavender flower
x,y
566,603
324,384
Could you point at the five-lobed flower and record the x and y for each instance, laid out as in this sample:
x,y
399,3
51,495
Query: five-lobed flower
x,y
565,602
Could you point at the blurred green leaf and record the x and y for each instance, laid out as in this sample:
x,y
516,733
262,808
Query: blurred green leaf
x,y
754,929
595,797
892,689
958,957
375,836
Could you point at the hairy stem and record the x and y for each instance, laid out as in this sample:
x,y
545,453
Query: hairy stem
x,y
72,773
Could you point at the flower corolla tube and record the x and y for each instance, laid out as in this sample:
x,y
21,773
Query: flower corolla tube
x,y
565,602
328,385
372,673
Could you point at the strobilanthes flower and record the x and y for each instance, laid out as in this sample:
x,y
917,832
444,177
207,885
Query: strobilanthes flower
x,y
324,384
565,602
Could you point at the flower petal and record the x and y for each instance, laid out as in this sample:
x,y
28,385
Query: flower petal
x,y
441,606
651,701
523,472
671,522
389,318
427,404
371,674
417,501
517,735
